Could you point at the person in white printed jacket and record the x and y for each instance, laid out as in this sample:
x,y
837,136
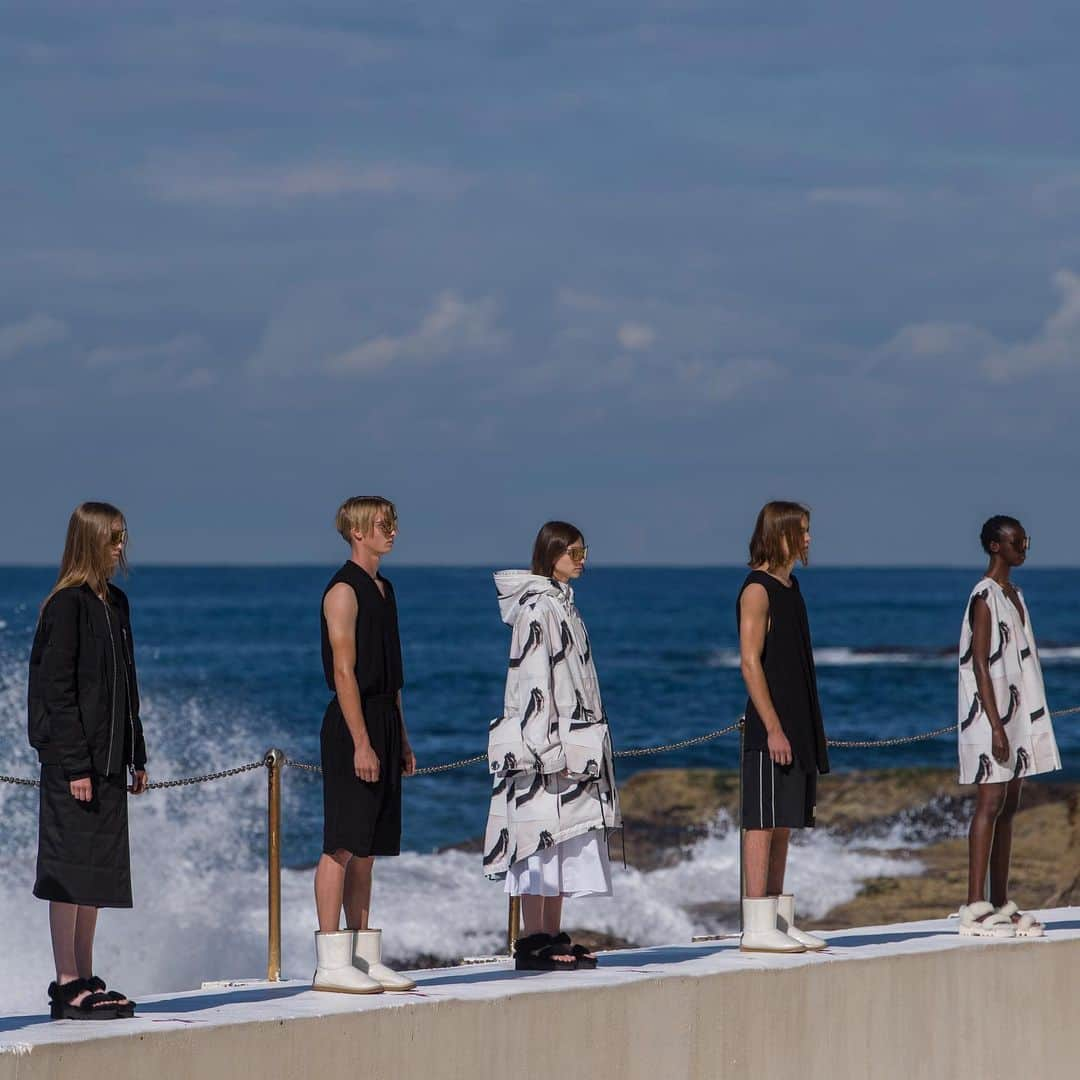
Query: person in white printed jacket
x,y
554,798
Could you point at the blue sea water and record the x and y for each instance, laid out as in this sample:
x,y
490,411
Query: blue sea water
x,y
229,665
230,657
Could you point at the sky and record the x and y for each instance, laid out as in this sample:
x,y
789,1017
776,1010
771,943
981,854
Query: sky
x,y
641,265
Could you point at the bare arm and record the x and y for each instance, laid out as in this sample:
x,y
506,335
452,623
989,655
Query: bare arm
x,y
408,758
340,610
753,626
980,661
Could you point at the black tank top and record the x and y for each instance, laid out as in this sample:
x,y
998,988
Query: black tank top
x,y
378,647
788,660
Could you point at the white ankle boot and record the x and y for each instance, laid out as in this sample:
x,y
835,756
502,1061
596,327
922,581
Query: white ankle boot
x,y
760,933
367,958
785,920
334,969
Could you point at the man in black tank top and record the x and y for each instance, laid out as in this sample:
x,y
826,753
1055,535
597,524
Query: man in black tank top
x,y
365,751
784,745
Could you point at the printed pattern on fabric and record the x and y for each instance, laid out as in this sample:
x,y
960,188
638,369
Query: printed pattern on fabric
x,y
1017,679
550,752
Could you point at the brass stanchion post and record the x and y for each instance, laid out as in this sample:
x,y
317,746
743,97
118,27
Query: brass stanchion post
x,y
513,924
742,869
275,762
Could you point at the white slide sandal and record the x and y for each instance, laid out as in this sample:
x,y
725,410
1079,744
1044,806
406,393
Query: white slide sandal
x,y
1027,926
981,919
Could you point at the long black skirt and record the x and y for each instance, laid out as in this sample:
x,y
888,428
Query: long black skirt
x,y
83,846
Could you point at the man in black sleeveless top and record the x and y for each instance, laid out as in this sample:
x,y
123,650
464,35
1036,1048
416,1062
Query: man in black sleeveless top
x,y
365,751
784,744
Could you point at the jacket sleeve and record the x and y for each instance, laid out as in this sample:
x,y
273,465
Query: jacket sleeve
x,y
139,749
59,686
527,738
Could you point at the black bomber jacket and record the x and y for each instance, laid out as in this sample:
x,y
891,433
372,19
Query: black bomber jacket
x,y
71,713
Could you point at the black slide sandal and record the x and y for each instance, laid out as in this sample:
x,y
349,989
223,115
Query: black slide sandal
x,y
537,953
94,1006
585,962
125,1007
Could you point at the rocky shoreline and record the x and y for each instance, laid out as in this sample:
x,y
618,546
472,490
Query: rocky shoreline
x,y
912,814
667,810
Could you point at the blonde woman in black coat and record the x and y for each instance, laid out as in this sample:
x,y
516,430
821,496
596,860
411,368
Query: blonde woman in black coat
x,y
84,724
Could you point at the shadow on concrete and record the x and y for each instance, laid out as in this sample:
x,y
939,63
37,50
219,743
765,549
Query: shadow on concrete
x,y
200,1002
853,941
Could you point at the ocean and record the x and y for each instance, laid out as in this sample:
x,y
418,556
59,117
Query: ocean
x,y
229,666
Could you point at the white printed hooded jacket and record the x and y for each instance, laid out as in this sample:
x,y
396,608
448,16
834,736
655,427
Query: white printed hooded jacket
x,y
550,751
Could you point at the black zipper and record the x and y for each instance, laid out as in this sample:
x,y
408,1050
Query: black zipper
x,y
112,702
128,665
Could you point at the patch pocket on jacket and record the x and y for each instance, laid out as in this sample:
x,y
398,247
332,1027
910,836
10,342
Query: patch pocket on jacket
x,y
506,751
584,746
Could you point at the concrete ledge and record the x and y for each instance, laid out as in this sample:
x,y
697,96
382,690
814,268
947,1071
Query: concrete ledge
x,y
905,1001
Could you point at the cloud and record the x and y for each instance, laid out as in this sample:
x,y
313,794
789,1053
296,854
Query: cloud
x,y
635,336
452,325
227,183
30,333
966,349
178,348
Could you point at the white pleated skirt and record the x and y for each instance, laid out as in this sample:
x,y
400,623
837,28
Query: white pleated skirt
x,y
576,867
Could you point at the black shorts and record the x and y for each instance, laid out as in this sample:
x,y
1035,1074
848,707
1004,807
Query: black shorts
x,y
360,817
776,796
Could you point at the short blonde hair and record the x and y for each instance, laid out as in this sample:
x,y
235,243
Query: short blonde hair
x,y
358,514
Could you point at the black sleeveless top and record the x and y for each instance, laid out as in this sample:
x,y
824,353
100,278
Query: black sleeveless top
x,y
378,647
788,660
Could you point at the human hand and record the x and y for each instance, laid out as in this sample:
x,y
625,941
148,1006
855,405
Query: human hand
x,y
366,763
999,744
140,782
779,748
408,760
83,789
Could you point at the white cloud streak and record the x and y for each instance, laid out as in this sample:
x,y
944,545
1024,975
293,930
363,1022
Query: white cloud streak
x,y
452,325
1054,347
233,185
31,333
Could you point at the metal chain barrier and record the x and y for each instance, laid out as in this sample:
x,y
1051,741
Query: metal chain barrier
x,y
642,751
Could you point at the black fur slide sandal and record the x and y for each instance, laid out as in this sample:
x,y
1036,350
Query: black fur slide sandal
x,y
537,952
125,1007
585,961
95,1006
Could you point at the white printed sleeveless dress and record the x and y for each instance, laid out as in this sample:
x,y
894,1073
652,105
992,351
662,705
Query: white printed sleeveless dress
x,y
1017,679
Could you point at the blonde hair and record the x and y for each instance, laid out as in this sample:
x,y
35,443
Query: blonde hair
x,y
778,534
85,561
358,515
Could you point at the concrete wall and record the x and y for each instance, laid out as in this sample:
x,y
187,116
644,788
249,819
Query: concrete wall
x,y
980,1013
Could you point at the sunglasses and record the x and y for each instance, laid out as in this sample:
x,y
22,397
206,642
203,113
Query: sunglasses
x,y
118,536
1022,545
578,554
387,528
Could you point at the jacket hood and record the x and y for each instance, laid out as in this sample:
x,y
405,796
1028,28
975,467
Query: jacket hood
x,y
515,587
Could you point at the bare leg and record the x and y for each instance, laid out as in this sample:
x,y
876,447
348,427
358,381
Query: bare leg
x,y
989,801
1001,851
85,925
532,915
777,861
330,889
552,914
757,846
358,892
